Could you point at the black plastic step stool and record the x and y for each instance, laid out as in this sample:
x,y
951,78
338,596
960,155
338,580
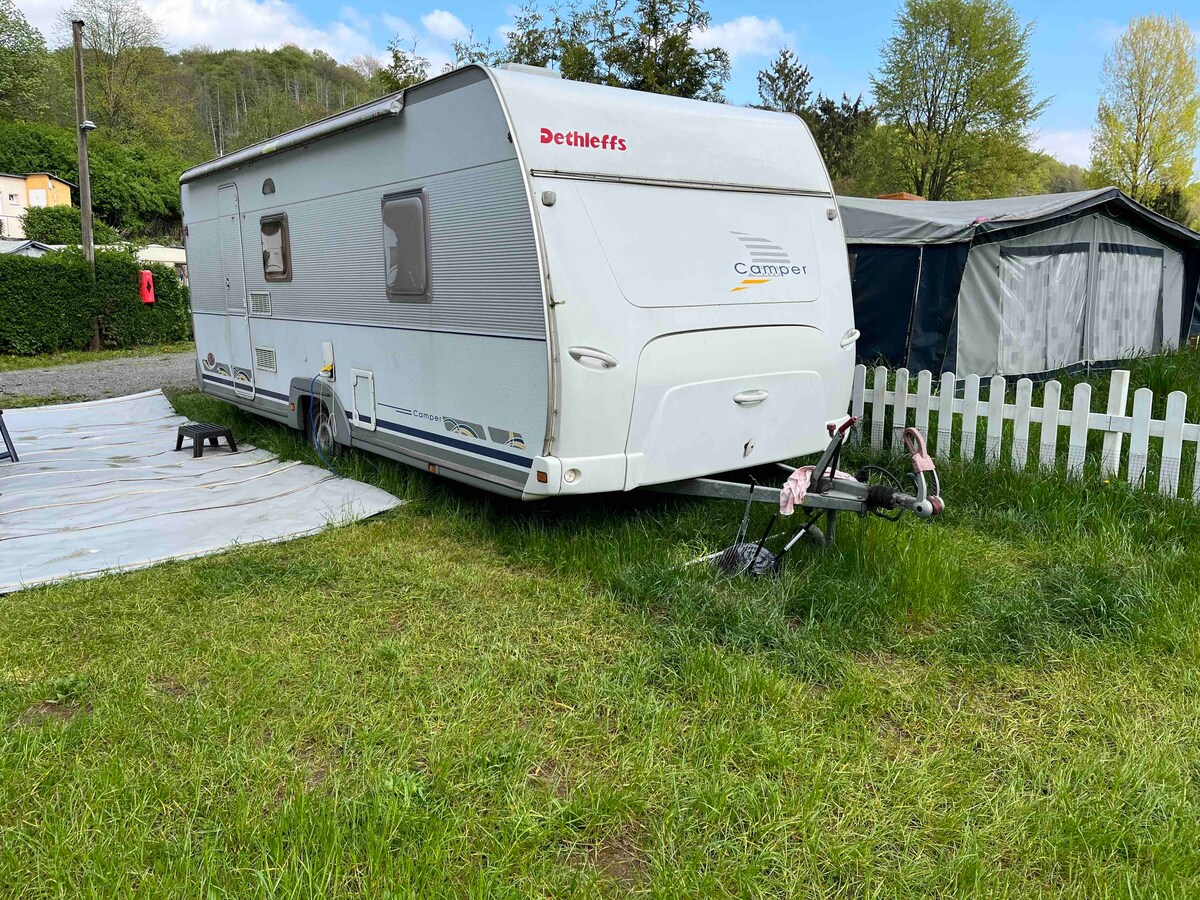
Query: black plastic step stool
x,y
199,432
8,453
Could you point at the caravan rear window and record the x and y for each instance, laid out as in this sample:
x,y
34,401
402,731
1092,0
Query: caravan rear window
x,y
406,246
276,249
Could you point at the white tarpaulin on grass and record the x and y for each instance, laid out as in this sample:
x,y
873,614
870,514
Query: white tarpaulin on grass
x,y
99,487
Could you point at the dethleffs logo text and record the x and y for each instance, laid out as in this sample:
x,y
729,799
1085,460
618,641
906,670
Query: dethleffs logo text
x,y
585,140
767,261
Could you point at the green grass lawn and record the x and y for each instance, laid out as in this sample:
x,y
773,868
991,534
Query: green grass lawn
x,y
10,363
469,696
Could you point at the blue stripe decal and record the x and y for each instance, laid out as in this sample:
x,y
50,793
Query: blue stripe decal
x,y
523,461
282,398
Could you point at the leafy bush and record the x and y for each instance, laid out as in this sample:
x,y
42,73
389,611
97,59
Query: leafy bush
x,y
50,303
46,303
127,322
61,225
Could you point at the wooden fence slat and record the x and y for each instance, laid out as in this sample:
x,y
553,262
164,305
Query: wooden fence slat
x,y
858,400
878,406
995,417
1081,408
1168,473
945,433
970,415
1139,438
924,382
1118,398
1020,447
900,408
1051,399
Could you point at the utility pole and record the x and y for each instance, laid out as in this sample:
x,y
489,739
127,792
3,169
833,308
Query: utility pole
x,y
83,126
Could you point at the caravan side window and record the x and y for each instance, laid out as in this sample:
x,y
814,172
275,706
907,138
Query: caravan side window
x,y
276,249
406,246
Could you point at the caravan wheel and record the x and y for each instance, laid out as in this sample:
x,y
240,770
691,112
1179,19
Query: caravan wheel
x,y
321,430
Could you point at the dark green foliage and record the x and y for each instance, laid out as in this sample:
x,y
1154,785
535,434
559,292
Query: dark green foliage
x,y
61,225
127,322
135,188
45,303
785,84
50,303
1172,202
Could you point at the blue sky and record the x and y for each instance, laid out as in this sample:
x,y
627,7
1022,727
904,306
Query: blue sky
x,y
839,42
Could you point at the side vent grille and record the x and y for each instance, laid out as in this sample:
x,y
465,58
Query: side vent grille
x,y
264,359
260,303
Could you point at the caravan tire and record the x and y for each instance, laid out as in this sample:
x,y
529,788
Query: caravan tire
x,y
321,426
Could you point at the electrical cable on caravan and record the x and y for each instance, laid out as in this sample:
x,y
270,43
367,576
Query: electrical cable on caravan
x,y
312,387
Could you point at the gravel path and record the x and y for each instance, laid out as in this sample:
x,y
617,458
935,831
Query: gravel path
x,y
107,378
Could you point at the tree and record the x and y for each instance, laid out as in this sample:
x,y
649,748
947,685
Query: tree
x,y
652,47
843,132
1148,122
784,85
22,63
406,68
654,51
954,87
122,59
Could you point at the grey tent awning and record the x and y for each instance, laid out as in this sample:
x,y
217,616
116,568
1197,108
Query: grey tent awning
x,y
868,221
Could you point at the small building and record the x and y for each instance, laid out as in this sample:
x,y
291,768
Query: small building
x,y
22,247
21,192
1018,286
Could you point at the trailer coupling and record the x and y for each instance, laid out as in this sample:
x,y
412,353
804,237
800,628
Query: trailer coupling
x,y
820,490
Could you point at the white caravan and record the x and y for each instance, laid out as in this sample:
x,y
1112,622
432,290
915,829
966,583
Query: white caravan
x,y
532,285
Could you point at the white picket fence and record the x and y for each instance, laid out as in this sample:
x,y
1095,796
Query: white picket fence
x,y
962,414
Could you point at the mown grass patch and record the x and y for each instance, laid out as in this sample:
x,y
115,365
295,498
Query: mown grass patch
x,y
471,696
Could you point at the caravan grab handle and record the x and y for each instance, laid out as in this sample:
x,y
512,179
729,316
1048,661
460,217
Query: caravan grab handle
x,y
748,398
579,354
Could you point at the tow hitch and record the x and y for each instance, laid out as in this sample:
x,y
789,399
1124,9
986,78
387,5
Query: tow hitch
x,y
819,491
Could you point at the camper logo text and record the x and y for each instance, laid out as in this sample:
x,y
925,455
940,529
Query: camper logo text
x,y
767,262
585,140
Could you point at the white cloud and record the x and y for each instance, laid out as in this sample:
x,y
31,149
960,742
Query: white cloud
x,y
397,25
744,36
445,25
243,24
43,15
1072,146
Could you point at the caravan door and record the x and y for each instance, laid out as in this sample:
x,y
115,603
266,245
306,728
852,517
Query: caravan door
x,y
237,319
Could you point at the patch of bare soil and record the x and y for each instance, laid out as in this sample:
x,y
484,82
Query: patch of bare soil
x,y
49,711
170,688
552,777
617,859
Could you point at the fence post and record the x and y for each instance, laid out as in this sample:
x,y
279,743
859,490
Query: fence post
x,y
945,435
924,381
1081,409
899,408
1118,398
878,406
1139,436
858,398
995,412
1168,473
1020,447
970,415
1051,397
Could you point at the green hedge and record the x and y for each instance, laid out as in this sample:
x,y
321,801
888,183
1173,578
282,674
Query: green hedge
x,y
49,303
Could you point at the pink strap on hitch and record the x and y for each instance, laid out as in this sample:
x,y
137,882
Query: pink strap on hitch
x,y
914,443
